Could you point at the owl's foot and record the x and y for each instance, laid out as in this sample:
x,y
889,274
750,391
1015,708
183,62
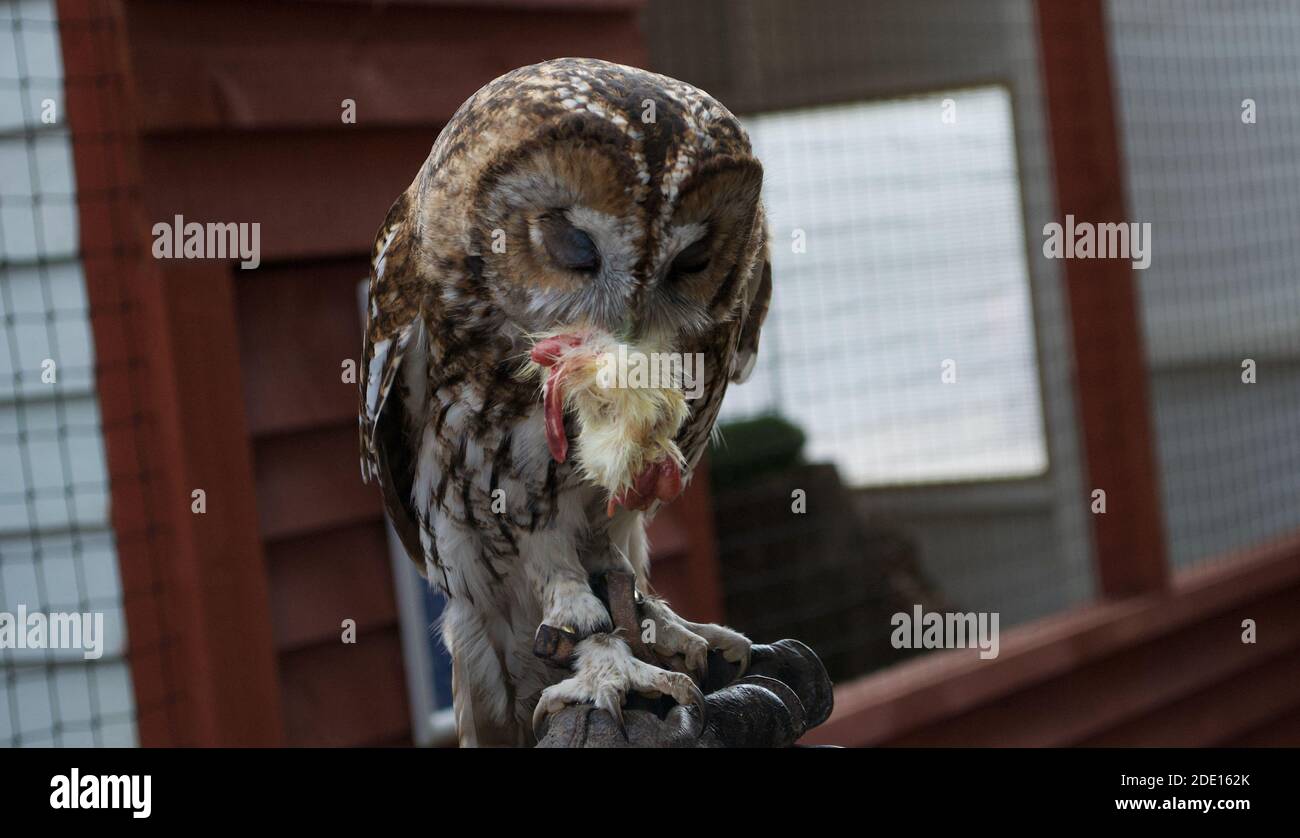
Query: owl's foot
x,y
604,673
674,635
576,613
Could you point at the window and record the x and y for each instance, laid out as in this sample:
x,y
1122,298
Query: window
x,y
901,336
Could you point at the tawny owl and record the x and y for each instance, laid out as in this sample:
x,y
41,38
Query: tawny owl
x,y
570,202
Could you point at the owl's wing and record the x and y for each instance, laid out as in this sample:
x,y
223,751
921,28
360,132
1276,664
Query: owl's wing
x,y
394,352
760,296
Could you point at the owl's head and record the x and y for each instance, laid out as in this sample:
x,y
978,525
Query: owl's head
x,y
588,194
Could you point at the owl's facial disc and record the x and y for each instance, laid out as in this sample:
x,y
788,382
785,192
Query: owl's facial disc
x,y
560,235
706,249
579,268
585,243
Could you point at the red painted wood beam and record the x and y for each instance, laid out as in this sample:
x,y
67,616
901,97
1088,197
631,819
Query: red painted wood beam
x,y
684,553
402,64
1110,361
1203,606
200,648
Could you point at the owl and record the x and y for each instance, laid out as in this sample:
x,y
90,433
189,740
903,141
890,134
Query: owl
x,y
572,206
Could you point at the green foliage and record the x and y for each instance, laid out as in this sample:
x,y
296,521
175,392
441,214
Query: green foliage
x,y
752,448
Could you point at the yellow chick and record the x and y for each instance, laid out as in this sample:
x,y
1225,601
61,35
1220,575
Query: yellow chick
x,y
626,426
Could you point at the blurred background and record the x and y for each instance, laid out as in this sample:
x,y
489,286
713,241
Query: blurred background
x,y
942,416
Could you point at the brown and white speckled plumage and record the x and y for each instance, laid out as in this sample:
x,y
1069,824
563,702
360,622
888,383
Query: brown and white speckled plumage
x,y
445,418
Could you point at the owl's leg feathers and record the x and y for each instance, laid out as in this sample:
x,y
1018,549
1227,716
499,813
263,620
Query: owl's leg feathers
x,y
571,612
604,672
569,603
674,635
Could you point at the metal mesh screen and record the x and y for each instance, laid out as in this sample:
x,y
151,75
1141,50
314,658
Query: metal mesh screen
x,y
876,372
908,142
1209,111
58,553
909,262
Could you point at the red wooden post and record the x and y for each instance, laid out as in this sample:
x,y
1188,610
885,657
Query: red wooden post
x,y
684,553
1114,415
194,587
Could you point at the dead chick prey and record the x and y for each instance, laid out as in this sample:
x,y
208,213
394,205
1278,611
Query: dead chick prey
x,y
626,426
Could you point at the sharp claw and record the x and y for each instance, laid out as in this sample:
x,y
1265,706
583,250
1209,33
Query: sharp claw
x,y
696,698
611,702
540,718
697,701
618,720
741,659
555,645
698,663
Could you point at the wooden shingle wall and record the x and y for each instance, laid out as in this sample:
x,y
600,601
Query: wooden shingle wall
x,y
239,106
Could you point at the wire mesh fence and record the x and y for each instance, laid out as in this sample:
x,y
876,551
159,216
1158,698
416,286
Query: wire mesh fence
x,y
57,551
1209,110
81,544
920,339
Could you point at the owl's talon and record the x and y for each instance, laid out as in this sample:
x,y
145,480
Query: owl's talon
x,y
693,641
611,702
702,710
738,655
605,670
541,715
555,645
